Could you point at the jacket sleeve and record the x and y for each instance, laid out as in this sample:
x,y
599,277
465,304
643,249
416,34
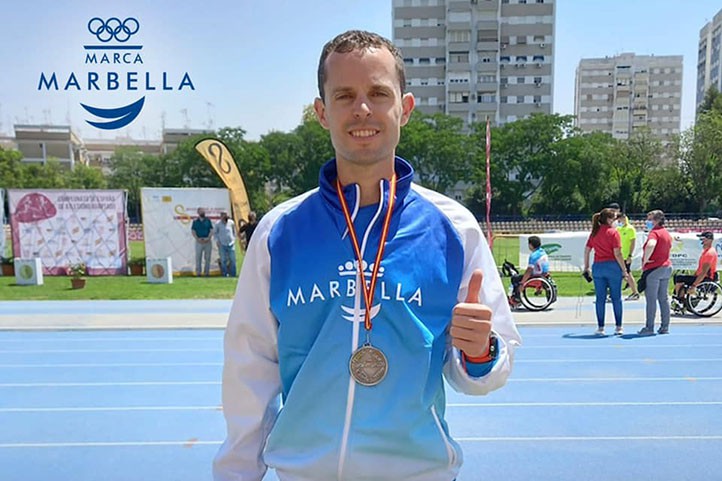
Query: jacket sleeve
x,y
251,379
477,255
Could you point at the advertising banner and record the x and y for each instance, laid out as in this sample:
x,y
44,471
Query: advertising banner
x,y
66,227
167,217
566,250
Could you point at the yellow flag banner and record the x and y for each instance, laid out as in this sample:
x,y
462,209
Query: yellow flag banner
x,y
220,158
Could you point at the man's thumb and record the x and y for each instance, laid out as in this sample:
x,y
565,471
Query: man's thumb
x,y
472,295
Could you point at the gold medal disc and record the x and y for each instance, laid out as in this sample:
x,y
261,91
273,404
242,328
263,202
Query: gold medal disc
x,y
368,365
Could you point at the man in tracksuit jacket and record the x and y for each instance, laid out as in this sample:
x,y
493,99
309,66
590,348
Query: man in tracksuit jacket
x,y
437,309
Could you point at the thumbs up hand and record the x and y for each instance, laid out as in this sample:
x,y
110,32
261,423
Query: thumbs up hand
x,y
471,321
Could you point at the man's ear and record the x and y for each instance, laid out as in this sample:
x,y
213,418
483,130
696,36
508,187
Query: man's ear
x,y
407,106
320,108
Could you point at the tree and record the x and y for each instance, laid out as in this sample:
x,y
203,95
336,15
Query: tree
x,y
132,169
631,165
576,177
521,153
701,159
438,149
712,101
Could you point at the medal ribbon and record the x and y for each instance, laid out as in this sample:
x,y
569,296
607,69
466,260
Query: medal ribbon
x,y
368,293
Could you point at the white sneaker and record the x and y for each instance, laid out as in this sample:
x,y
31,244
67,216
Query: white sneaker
x,y
599,331
618,331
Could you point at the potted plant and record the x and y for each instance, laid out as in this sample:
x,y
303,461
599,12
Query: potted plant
x,y
77,273
136,266
8,266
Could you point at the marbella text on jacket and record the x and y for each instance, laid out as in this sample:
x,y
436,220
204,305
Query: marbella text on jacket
x,y
347,288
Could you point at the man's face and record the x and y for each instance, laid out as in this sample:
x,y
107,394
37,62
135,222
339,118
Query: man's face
x,y
363,109
201,212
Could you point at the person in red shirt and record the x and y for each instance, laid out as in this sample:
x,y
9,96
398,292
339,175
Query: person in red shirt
x,y
656,270
608,269
706,269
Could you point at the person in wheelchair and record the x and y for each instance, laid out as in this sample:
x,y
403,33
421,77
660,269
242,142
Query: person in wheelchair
x,y
706,271
538,266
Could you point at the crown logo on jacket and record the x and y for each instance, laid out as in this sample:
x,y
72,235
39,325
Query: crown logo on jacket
x,y
349,268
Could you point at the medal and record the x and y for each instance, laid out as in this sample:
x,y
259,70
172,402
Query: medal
x,y
368,365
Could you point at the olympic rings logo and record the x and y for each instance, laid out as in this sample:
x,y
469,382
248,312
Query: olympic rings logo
x,y
113,28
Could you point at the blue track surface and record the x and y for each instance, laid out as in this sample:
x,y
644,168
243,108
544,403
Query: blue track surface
x,y
127,405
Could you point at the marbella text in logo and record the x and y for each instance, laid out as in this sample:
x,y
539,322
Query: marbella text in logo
x,y
346,288
111,50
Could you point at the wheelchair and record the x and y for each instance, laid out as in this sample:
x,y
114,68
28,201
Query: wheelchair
x,y
705,301
536,294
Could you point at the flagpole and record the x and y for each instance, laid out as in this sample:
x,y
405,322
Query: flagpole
x,y
489,237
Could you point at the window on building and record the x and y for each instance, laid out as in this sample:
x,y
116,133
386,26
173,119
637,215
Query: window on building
x,y
424,61
487,36
485,98
459,35
440,60
521,58
459,57
537,80
408,61
520,80
520,99
505,59
503,99
537,99
538,58
459,97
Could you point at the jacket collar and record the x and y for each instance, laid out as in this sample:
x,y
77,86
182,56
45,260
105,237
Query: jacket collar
x,y
327,188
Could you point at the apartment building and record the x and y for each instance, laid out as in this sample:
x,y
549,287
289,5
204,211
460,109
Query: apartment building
x,y
475,59
623,93
708,58
40,142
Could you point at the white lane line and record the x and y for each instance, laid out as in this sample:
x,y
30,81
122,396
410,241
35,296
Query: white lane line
x,y
449,405
109,409
219,364
585,404
614,359
57,340
189,443
625,345
55,351
119,383
210,383
118,364
561,336
586,438
613,379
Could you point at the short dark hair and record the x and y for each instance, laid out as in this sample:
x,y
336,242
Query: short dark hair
x,y
358,40
534,241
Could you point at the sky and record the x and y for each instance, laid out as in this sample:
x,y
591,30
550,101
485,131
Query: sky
x,y
252,63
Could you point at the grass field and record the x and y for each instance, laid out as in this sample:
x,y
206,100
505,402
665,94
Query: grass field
x,y
136,287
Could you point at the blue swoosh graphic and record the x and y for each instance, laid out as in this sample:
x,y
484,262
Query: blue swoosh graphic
x,y
121,116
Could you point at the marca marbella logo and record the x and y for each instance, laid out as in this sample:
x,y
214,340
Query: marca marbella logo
x,y
345,286
114,64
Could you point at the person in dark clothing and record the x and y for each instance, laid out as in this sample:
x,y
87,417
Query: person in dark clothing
x,y
247,228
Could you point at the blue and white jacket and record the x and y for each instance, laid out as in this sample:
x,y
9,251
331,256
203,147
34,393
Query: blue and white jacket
x,y
298,315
